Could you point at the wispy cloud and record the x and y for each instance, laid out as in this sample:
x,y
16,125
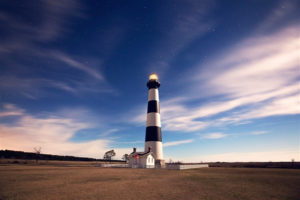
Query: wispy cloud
x,y
259,132
34,88
213,135
51,23
31,87
182,25
23,40
53,133
257,78
279,15
175,143
109,132
56,17
11,110
77,65
255,66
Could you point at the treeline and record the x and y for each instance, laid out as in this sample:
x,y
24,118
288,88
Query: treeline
x,y
292,164
9,154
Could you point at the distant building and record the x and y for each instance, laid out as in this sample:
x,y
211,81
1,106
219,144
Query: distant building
x,y
153,153
141,159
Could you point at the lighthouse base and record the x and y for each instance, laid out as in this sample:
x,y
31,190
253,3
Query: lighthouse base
x,y
160,164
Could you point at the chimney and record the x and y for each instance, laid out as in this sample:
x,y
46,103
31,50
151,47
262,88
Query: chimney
x,y
134,150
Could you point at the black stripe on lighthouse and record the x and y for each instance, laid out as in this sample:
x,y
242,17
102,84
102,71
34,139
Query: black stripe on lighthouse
x,y
153,106
153,133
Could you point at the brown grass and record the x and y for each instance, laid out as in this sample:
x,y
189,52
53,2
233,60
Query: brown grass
x,y
53,182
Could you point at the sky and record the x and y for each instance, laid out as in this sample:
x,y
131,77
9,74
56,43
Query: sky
x,y
73,77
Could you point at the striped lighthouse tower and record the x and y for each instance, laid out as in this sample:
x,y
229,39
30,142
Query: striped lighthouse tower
x,y
153,138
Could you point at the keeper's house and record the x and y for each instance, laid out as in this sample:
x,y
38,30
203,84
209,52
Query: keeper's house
x,y
141,159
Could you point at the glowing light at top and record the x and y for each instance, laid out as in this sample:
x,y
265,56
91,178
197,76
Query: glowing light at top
x,y
153,77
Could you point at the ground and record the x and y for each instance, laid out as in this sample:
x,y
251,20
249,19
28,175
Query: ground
x,y
92,182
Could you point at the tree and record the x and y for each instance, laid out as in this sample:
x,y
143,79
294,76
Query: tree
x,y
293,162
109,154
37,151
125,157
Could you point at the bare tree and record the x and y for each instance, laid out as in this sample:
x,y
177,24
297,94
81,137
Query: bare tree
x,y
37,151
125,157
293,162
109,154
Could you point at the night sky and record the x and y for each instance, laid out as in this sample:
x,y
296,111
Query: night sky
x,y
73,77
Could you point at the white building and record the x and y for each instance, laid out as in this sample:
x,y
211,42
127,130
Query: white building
x,y
141,159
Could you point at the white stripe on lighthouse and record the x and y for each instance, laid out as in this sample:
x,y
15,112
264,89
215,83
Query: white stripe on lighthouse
x,y
153,94
156,149
153,119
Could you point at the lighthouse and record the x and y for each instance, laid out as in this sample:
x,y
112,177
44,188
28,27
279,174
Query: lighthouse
x,y
153,139
152,156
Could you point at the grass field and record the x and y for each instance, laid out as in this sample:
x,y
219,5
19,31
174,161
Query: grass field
x,y
88,182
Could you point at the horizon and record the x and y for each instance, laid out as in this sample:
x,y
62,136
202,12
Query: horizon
x,y
113,159
73,78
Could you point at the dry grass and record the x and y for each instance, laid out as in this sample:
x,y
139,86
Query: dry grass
x,y
53,182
